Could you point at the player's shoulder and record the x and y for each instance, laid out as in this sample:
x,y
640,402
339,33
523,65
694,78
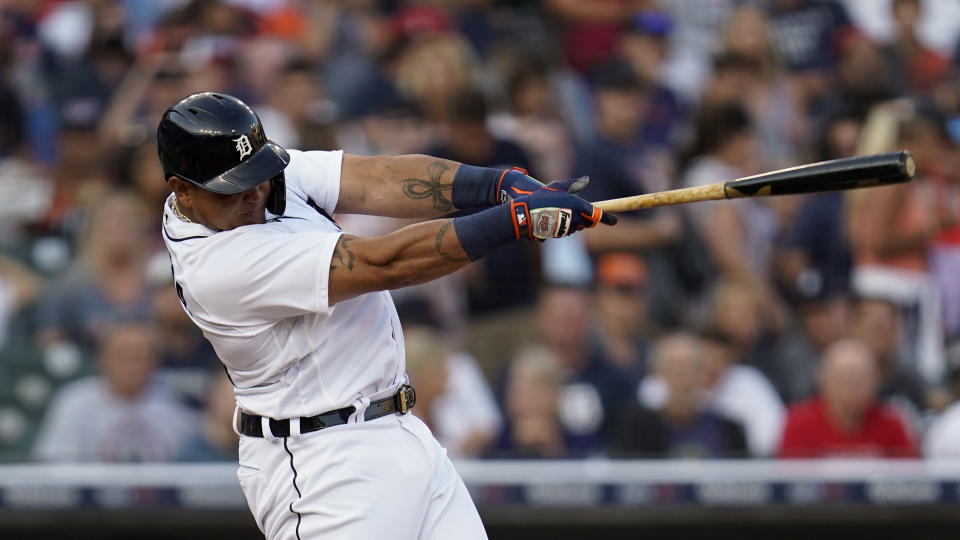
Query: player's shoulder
x,y
312,162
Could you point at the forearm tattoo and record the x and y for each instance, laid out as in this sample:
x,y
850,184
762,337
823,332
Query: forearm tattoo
x,y
438,241
342,255
433,188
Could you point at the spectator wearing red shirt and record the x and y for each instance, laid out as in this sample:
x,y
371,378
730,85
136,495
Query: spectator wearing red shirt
x,y
846,419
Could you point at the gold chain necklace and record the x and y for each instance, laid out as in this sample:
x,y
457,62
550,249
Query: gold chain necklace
x,y
176,210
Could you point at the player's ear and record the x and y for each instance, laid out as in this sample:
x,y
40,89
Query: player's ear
x,y
181,189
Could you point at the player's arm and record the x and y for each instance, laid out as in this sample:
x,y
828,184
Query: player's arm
x,y
423,186
425,251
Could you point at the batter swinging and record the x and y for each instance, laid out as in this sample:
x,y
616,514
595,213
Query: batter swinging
x,y
299,315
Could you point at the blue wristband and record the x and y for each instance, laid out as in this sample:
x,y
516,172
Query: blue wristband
x,y
484,231
475,187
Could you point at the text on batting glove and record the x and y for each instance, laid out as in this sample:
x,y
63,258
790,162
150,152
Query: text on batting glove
x,y
554,212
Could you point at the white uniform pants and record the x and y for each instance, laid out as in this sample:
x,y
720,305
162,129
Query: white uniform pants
x,y
385,478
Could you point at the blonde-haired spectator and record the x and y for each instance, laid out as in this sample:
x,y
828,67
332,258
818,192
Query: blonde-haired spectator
x,y
434,67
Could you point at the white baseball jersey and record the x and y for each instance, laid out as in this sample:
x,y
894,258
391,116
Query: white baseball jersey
x,y
259,293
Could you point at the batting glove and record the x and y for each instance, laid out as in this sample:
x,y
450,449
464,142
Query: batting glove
x,y
553,211
515,183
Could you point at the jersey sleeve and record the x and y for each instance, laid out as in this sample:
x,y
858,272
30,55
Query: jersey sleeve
x,y
264,277
315,175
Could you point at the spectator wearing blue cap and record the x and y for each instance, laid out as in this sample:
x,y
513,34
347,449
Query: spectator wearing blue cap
x,y
645,45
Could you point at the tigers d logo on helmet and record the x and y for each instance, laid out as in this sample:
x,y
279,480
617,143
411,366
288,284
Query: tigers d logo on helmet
x,y
243,146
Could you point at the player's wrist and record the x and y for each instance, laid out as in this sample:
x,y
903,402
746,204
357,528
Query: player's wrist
x,y
476,187
484,231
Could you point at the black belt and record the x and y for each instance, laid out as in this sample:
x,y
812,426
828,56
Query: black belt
x,y
401,402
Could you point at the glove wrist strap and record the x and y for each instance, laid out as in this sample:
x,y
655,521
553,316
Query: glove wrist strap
x,y
476,187
484,231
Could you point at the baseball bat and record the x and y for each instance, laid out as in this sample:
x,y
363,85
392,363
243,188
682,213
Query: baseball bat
x,y
837,174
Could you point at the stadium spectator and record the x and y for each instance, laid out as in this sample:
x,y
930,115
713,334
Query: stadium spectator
x,y
942,439
623,328
113,416
531,400
619,166
614,159
186,357
645,45
806,32
742,394
79,174
739,234
846,419
862,76
724,149
681,425
693,41
915,66
296,113
824,317
878,324
215,440
107,282
432,69
736,310
533,119
19,287
945,255
592,391
765,88
892,231
816,256
500,288
813,268
589,32
453,397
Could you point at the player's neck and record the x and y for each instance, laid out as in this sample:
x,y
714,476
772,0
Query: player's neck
x,y
182,212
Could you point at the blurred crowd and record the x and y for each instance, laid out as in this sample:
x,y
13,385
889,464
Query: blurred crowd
x,y
804,326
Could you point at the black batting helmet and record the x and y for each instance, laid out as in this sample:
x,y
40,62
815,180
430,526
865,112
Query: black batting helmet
x,y
216,141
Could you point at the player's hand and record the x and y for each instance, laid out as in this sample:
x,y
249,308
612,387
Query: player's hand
x,y
553,211
515,183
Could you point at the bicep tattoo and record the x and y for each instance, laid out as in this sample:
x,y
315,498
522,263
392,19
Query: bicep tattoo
x,y
438,242
343,256
432,188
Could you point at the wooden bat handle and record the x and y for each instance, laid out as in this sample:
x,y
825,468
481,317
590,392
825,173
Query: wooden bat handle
x,y
709,192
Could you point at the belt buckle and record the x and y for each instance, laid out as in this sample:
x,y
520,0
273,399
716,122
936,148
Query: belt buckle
x,y
405,398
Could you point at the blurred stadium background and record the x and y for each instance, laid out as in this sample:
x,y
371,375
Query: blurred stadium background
x,y
785,367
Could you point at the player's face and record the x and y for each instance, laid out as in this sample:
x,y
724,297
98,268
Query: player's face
x,y
225,212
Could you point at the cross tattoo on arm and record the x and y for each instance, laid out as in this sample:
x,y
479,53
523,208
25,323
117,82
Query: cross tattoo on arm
x,y
434,188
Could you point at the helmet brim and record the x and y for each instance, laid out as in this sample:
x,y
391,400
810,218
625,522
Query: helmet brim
x,y
264,164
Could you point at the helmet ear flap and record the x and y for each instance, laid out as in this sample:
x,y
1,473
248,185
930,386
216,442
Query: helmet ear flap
x,y
277,202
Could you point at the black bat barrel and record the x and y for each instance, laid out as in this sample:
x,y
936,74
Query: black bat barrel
x,y
838,174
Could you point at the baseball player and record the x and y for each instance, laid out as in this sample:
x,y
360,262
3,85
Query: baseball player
x,y
299,314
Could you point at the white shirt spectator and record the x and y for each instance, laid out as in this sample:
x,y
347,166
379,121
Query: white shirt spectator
x,y
744,395
86,423
943,437
467,407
